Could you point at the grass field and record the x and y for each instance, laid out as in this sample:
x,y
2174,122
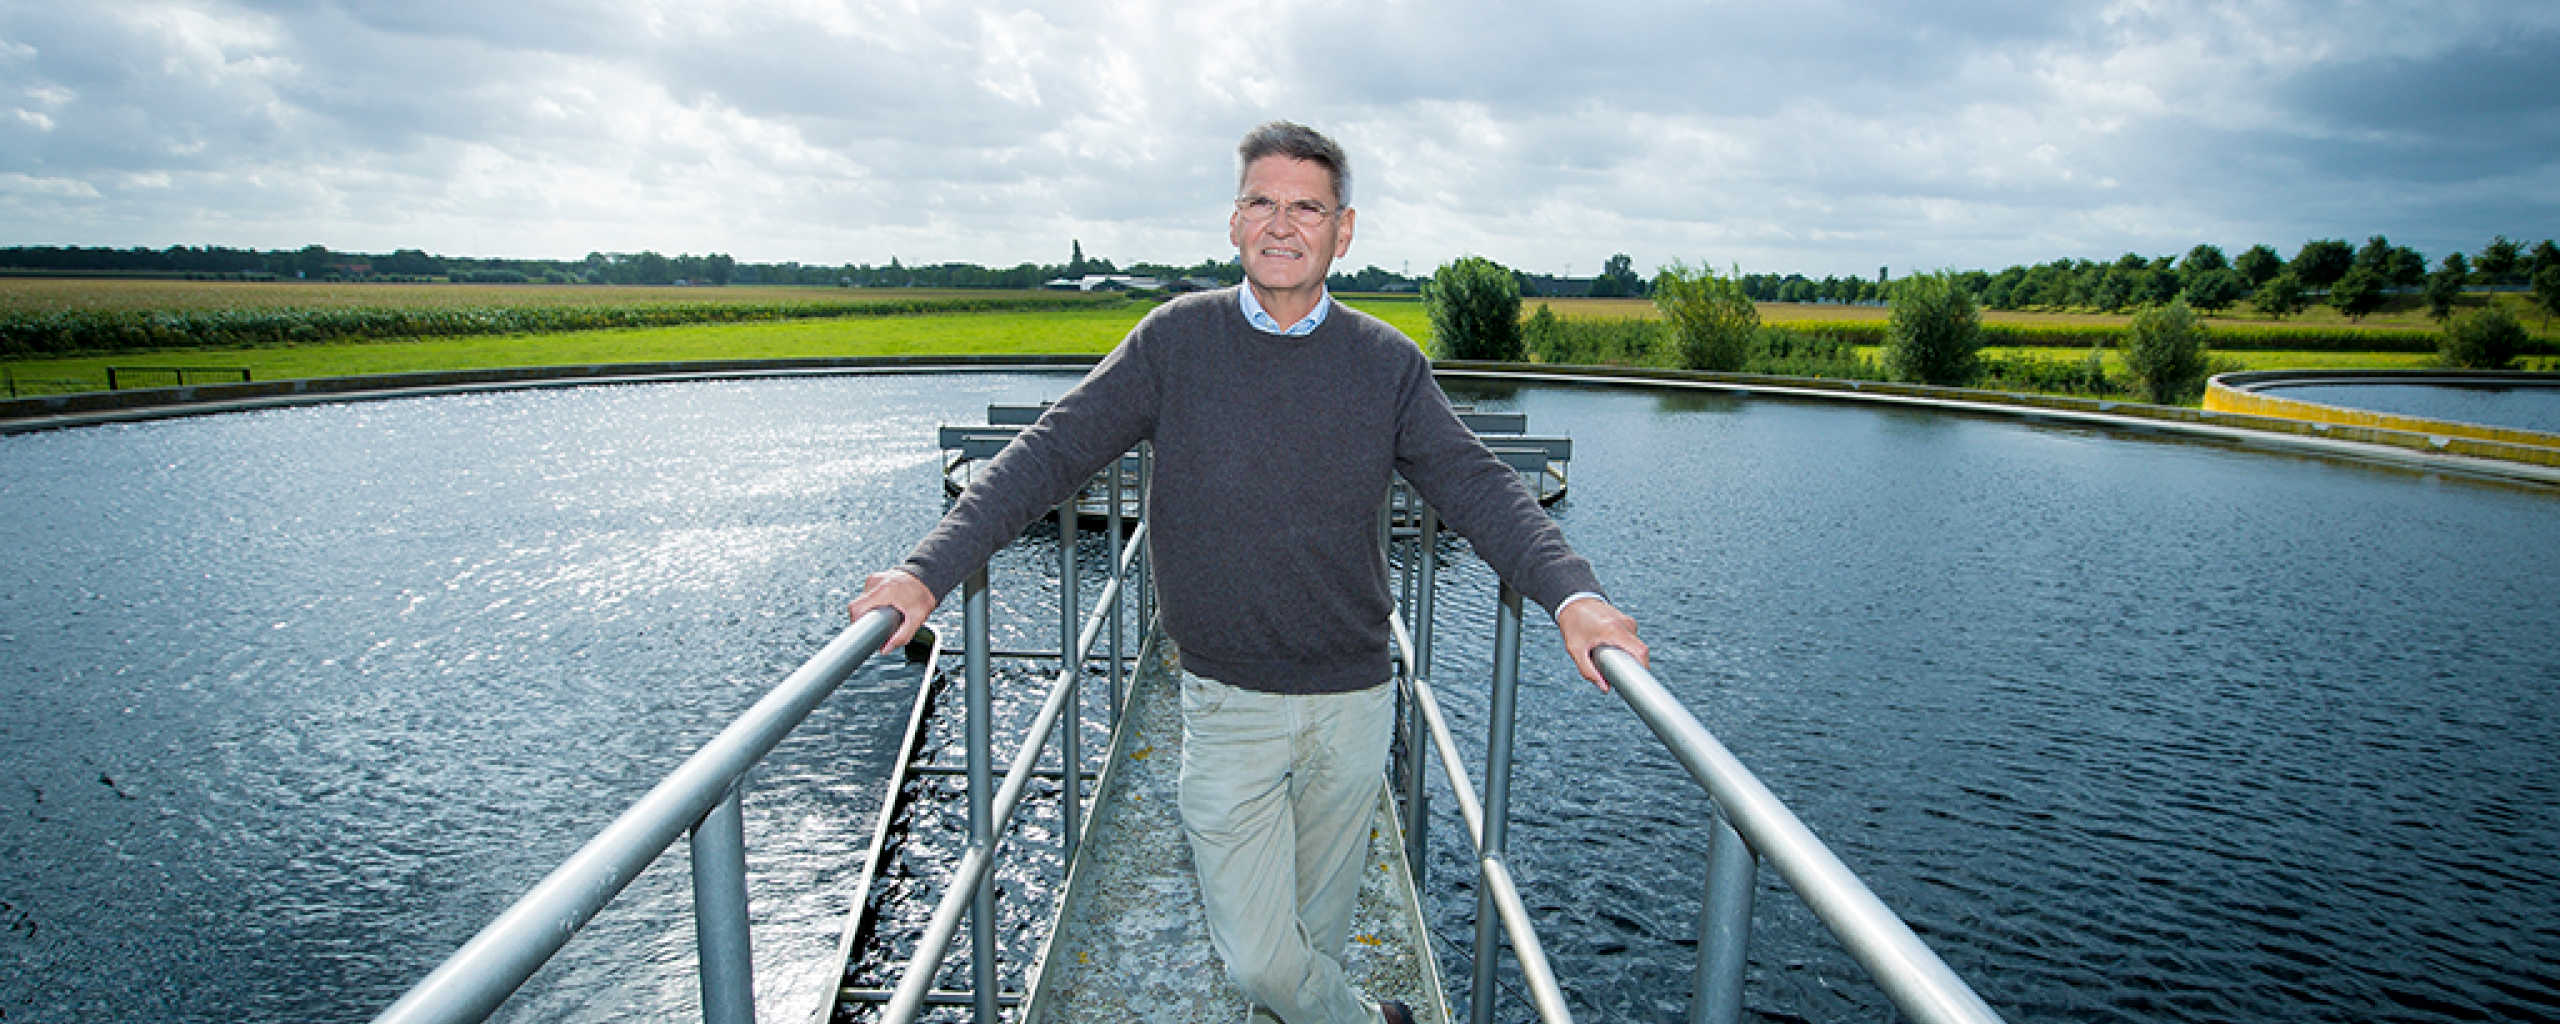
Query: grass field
x,y
43,294
1077,331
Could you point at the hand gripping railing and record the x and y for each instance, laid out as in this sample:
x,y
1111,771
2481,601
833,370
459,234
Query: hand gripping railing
x,y
700,795
1751,820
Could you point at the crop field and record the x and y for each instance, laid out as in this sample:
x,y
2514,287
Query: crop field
x,y
49,295
774,323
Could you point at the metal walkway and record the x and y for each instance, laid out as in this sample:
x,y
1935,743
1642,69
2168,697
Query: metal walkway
x,y
1130,941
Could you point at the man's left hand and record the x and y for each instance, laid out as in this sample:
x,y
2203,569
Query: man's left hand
x,y
1593,623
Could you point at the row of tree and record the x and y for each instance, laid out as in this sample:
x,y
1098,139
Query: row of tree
x,y
1934,333
2355,279
638,268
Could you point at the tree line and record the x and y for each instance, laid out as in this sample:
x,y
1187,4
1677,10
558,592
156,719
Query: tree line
x,y
316,262
1935,333
2355,279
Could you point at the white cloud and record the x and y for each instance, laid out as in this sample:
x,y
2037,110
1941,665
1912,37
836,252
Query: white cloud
x,y
27,185
1828,136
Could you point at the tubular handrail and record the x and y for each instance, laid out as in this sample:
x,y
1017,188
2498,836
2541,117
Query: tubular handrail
x,y
1919,983
1544,992
916,982
496,962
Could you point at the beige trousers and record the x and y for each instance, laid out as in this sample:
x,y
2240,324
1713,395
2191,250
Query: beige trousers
x,y
1277,797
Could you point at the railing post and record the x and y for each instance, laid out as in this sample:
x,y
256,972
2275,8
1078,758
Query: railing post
x,y
720,912
1146,555
982,837
1497,797
1417,793
1724,926
1071,665
1119,597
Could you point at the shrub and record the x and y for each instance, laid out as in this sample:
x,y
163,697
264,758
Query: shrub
x,y
2356,294
2027,371
1785,352
2444,287
2164,354
1589,342
2280,297
2213,290
2546,290
1712,318
1935,334
2487,338
1474,304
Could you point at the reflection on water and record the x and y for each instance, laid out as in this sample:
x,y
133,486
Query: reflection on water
x,y
2130,729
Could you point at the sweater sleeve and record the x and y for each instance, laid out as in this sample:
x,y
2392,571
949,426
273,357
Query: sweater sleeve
x,y
1483,498
1111,409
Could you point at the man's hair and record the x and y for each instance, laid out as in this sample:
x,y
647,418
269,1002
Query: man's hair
x,y
1297,142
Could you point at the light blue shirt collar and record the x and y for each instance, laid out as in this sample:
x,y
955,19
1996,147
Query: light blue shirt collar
x,y
1263,321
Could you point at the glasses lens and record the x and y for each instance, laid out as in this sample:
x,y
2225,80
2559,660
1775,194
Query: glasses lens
x,y
1303,212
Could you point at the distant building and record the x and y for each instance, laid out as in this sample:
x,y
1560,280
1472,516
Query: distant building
x,y
1104,283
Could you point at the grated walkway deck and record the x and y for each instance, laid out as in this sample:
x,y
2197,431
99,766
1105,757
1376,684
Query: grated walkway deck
x,y
1131,942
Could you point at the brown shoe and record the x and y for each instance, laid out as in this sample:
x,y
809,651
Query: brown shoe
x,y
1395,1012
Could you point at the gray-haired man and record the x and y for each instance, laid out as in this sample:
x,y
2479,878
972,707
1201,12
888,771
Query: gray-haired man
x,y
1267,564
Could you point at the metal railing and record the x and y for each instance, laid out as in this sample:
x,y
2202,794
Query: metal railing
x,y
1750,825
701,797
971,891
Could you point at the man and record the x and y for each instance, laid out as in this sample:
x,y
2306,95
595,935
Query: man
x,y
1278,418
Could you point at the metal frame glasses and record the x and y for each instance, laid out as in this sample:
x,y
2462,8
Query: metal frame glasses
x,y
1305,213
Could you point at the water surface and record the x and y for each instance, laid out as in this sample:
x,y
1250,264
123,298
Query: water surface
x,y
2519,407
2129,728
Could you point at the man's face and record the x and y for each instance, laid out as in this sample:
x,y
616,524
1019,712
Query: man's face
x,y
1281,256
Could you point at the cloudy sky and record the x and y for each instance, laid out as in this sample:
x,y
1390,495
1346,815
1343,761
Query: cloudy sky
x,y
1815,136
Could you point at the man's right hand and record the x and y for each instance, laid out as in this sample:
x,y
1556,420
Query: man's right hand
x,y
895,589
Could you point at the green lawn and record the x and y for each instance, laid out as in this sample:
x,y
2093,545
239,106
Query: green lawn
x,y
1067,332
1045,333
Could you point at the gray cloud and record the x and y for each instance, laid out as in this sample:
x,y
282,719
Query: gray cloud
x,y
1823,137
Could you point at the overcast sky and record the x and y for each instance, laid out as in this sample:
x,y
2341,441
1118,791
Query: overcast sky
x,y
1814,136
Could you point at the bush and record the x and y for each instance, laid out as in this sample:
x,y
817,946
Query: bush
x,y
2164,354
1590,342
2280,297
1935,334
2028,371
2487,338
2444,288
1712,319
1784,352
2358,293
2213,290
1474,304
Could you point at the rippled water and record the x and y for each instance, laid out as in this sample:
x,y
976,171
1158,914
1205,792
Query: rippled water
x,y
296,701
2522,408
2129,728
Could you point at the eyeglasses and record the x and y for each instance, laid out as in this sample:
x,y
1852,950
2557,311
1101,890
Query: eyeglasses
x,y
1305,213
